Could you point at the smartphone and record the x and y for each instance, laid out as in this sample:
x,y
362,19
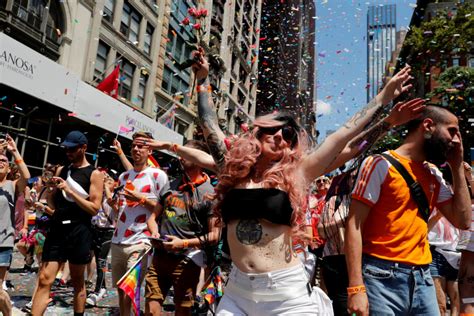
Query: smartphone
x,y
159,239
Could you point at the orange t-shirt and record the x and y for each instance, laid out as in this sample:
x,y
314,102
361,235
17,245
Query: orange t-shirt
x,y
394,229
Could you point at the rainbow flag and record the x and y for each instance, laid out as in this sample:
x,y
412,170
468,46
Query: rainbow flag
x,y
213,290
129,283
152,162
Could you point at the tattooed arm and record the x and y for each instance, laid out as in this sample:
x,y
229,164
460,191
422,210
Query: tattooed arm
x,y
325,155
399,115
207,114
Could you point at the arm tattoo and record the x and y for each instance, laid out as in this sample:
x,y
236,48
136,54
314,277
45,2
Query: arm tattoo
x,y
249,231
362,113
209,124
368,138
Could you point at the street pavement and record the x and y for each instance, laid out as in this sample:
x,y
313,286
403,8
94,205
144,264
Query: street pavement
x,y
24,284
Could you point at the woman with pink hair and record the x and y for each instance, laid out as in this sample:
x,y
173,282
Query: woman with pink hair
x,y
260,198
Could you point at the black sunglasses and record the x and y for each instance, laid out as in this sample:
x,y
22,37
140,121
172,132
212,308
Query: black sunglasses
x,y
287,132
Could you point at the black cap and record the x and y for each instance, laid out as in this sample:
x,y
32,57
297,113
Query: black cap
x,y
73,139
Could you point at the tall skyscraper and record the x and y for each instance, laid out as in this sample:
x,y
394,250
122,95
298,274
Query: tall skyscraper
x,y
287,60
381,41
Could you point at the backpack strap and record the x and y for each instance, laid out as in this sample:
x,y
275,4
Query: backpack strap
x,y
416,191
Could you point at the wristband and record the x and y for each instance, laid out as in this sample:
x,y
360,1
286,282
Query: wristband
x,y
18,161
200,88
185,243
356,289
142,201
119,151
174,148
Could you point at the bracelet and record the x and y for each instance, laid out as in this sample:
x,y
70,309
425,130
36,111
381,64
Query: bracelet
x,y
202,88
356,289
185,243
119,151
18,161
174,148
142,201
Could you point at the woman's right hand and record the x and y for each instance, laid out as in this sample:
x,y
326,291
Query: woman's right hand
x,y
201,66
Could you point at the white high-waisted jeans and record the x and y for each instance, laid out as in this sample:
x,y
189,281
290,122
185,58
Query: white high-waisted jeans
x,y
280,292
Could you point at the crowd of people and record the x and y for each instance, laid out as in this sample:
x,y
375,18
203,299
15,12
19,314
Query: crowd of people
x,y
391,237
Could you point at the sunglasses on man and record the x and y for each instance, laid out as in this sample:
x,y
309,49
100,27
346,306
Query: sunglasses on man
x,y
321,181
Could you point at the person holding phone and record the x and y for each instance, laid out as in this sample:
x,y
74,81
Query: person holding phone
x,y
76,198
186,226
142,188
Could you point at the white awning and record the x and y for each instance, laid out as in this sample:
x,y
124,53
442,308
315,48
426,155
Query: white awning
x,y
30,72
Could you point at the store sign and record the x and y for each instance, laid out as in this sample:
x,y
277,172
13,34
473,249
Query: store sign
x,y
30,72
16,63
55,84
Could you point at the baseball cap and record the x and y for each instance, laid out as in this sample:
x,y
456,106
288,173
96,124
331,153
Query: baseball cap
x,y
73,139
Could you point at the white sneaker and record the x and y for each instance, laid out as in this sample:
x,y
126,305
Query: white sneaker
x,y
94,298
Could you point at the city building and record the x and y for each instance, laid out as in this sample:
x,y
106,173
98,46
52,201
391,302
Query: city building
x,y
287,69
71,46
381,42
53,53
231,39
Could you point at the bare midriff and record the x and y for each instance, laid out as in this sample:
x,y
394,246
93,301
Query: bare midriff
x,y
273,251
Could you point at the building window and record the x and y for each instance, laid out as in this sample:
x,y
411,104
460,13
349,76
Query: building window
x,y
455,62
101,60
109,10
471,62
29,11
173,84
148,38
141,89
125,89
130,23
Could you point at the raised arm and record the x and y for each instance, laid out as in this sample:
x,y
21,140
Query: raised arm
x,y
207,114
20,184
401,113
315,164
123,159
196,156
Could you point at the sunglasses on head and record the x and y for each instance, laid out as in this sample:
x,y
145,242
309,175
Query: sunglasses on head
x,y
287,132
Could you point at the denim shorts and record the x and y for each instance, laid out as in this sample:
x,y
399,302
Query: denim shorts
x,y
440,267
6,254
398,289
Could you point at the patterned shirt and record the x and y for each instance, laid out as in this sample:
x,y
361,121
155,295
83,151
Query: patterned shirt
x,y
131,227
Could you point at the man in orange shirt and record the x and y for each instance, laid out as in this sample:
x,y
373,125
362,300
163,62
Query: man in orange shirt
x,y
386,237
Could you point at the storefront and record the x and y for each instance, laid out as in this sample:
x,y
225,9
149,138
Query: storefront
x,y
41,101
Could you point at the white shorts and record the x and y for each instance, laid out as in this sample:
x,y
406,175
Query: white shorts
x,y
466,238
281,292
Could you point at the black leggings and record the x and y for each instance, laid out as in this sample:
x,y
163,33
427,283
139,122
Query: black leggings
x,y
102,243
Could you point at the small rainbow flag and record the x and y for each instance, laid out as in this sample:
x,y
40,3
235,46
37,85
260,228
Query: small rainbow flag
x,y
152,162
130,283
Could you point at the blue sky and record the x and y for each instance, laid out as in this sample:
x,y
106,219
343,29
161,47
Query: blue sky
x,y
341,57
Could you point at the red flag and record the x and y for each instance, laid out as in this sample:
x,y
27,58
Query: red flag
x,y
110,84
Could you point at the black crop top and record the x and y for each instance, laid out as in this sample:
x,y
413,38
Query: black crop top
x,y
270,204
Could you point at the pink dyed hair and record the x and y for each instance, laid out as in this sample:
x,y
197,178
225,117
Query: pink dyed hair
x,y
242,157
